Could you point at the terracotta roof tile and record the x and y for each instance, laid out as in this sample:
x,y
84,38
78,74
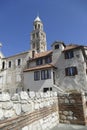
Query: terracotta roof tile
x,y
42,54
71,46
40,67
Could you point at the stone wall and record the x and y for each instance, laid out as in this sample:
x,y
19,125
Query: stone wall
x,y
28,111
41,111
73,108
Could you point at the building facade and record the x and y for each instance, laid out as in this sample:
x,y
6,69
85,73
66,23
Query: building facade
x,y
64,68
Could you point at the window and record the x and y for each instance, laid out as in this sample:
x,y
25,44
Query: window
x,y
39,61
37,34
46,74
47,89
35,26
19,62
69,55
3,65
9,64
37,75
71,71
39,26
48,59
56,46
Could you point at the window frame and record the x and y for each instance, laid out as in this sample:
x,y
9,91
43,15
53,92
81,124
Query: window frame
x,y
48,59
46,74
39,61
69,54
36,75
10,64
71,71
19,62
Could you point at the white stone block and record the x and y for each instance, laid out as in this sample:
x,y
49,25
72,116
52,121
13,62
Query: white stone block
x,y
24,95
70,113
55,94
32,94
4,97
37,95
36,105
26,107
66,101
17,108
41,105
15,97
41,94
9,113
25,128
7,105
1,114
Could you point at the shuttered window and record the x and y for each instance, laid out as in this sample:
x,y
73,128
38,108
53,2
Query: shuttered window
x,y
46,74
37,75
69,54
71,71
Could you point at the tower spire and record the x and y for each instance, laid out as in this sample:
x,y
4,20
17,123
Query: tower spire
x,y
38,36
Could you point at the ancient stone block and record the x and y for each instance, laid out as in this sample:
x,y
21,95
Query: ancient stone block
x,y
26,107
15,97
24,95
17,108
1,114
32,94
7,105
63,117
9,113
65,112
4,97
66,101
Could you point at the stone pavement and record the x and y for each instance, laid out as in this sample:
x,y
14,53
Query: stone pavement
x,y
70,127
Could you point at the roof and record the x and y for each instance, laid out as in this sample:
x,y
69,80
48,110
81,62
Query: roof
x,y
22,53
72,46
42,54
40,67
37,19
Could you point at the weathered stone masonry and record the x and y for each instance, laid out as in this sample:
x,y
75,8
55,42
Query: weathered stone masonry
x,y
28,111
73,108
40,111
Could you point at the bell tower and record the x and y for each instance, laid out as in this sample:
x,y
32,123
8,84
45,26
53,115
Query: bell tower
x,y
38,37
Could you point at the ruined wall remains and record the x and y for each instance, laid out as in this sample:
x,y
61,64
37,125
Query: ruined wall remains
x,y
73,108
28,111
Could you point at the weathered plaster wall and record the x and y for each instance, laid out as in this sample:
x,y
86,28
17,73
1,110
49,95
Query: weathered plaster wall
x,y
32,85
78,81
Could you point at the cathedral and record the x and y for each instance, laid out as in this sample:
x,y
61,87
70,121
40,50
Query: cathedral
x,y
62,69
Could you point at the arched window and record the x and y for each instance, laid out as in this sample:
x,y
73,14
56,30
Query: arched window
x,y
3,65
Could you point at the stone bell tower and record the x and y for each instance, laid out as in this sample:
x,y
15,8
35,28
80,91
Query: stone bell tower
x,y
38,37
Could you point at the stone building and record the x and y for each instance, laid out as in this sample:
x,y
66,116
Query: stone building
x,y
63,68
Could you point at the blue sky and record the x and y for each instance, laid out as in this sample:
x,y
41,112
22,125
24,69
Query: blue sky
x,y
64,20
